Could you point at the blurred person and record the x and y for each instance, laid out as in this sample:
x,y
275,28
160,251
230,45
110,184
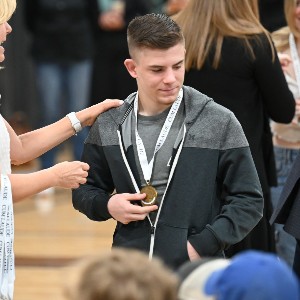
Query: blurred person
x,y
286,137
174,6
248,275
231,58
122,274
287,212
194,274
111,44
109,77
62,50
184,179
253,275
16,150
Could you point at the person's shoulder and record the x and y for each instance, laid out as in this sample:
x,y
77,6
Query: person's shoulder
x,y
261,43
217,125
203,108
117,113
198,101
194,96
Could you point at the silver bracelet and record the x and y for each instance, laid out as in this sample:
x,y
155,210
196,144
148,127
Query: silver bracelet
x,y
75,122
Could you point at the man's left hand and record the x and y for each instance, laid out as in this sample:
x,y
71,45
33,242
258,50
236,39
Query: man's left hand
x,y
193,254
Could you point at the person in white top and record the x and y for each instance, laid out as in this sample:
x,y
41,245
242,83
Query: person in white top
x,y
286,137
28,146
16,150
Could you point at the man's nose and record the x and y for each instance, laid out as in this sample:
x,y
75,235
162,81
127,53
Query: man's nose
x,y
169,76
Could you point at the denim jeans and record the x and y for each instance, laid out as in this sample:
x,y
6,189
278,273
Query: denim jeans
x,y
63,88
285,243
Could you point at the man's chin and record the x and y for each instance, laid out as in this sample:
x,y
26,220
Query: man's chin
x,y
171,95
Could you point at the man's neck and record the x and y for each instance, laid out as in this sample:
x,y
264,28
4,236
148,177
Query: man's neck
x,y
150,109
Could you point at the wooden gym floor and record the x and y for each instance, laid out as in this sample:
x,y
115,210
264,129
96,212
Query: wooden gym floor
x,y
49,235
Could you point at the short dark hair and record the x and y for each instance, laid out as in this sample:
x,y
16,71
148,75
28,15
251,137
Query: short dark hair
x,y
154,31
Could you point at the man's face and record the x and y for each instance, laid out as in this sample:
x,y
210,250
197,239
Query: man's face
x,y
159,73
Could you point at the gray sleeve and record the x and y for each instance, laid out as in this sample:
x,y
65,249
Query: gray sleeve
x,y
241,195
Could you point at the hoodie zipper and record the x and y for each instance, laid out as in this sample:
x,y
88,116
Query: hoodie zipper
x,y
153,226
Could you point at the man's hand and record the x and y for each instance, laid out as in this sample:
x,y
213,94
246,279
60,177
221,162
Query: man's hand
x,y
122,210
193,254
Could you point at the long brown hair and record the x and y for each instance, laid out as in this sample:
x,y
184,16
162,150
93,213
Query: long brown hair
x,y
205,23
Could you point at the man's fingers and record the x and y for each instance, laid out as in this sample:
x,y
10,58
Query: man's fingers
x,y
148,209
142,214
136,217
134,197
136,209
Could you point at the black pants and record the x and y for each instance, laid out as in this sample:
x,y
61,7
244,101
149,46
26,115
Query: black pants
x,y
296,265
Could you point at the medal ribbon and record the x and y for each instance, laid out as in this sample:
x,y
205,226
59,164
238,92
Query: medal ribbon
x,y
295,58
148,167
7,270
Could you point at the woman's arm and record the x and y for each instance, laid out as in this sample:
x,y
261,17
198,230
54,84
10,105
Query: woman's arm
x,y
278,99
65,175
32,144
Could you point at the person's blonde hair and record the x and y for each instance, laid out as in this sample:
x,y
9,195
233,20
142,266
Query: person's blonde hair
x,y
205,23
7,8
122,274
281,36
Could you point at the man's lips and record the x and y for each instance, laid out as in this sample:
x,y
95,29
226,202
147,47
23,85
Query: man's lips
x,y
168,89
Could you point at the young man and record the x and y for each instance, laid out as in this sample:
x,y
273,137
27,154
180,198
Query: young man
x,y
184,179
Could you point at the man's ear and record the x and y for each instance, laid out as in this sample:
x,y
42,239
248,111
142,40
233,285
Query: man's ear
x,y
131,67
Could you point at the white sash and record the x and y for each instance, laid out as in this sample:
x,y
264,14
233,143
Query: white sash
x,y
7,270
145,166
295,58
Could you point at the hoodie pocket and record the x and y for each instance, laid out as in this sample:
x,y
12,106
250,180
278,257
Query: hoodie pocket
x,y
171,245
133,235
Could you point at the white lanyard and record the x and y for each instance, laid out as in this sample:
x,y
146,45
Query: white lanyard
x,y
147,168
295,58
7,270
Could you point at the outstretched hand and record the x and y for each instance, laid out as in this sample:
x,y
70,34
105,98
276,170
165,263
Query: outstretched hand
x,y
122,210
70,174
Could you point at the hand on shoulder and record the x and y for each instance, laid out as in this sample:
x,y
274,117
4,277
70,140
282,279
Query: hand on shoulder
x,y
88,115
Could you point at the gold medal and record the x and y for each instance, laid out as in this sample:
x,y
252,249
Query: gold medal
x,y
151,195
